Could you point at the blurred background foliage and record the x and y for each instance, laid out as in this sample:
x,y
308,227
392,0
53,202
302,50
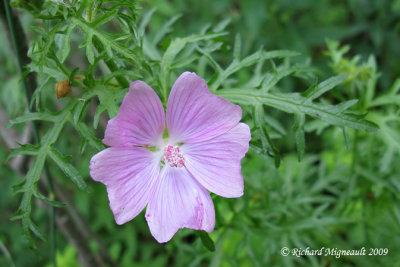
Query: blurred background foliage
x,y
344,193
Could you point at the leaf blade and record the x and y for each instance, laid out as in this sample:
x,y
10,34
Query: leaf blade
x,y
67,168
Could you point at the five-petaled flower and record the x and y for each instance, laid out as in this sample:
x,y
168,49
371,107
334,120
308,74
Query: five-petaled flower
x,y
205,145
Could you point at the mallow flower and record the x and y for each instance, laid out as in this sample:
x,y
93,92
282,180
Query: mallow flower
x,y
172,176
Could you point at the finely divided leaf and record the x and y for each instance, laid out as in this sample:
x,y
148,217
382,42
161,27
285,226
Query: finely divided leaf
x,y
69,170
316,91
24,149
165,29
259,56
88,134
49,201
293,103
268,147
32,116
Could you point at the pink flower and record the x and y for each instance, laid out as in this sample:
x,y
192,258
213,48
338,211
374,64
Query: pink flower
x,y
203,151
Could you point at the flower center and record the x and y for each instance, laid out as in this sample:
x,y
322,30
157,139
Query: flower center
x,y
173,156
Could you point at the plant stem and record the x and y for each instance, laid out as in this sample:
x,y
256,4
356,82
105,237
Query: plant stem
x,y
28,95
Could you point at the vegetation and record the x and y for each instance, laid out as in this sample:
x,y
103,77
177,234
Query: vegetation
x,y
318,82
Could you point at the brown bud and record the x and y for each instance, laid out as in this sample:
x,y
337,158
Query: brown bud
x,y
63,89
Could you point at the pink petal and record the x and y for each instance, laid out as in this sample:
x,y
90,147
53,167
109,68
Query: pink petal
x,y
194,114
178,201
129,174
215,163
140,120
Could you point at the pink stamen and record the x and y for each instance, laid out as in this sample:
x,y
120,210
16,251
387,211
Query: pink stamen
x,y
173,156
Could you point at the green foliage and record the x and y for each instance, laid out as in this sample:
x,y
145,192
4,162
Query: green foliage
x,y
323,173
67,257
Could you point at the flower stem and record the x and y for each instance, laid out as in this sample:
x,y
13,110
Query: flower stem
x,y
14,23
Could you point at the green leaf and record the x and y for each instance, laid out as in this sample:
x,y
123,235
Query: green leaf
x,y
49,201
298,128
184,61
83,145
69,170
346,105
83,5
271,79
51,69
103,19
18,215
268,148
145,20
206,240
386,100
165,29
293,103
35,229
248,61
316,91
173,50
24,149
178,44
237,48
150,50
87,133
128,73
80,110
36,94
63,42
89,49
346,137
99,110
19,188
34,172
107,98
25,207
275,124
42,116
105,38
395,87
207,55
222,25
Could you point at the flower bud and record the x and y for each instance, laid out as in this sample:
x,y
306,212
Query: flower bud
x,y
63,89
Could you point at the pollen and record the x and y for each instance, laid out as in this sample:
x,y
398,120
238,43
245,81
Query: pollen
x,y
173,156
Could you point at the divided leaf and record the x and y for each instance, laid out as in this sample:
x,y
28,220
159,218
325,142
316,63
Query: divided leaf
x,y
293,103
316,91
42,116
24,149
69,170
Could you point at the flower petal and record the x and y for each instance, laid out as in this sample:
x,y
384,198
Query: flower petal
x,y
215,163
140,120
178,201
129,174
194,114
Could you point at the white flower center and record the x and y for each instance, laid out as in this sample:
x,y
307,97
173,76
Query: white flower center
x,y
173,156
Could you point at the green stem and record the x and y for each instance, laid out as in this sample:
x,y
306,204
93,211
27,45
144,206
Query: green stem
x,y
34,125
